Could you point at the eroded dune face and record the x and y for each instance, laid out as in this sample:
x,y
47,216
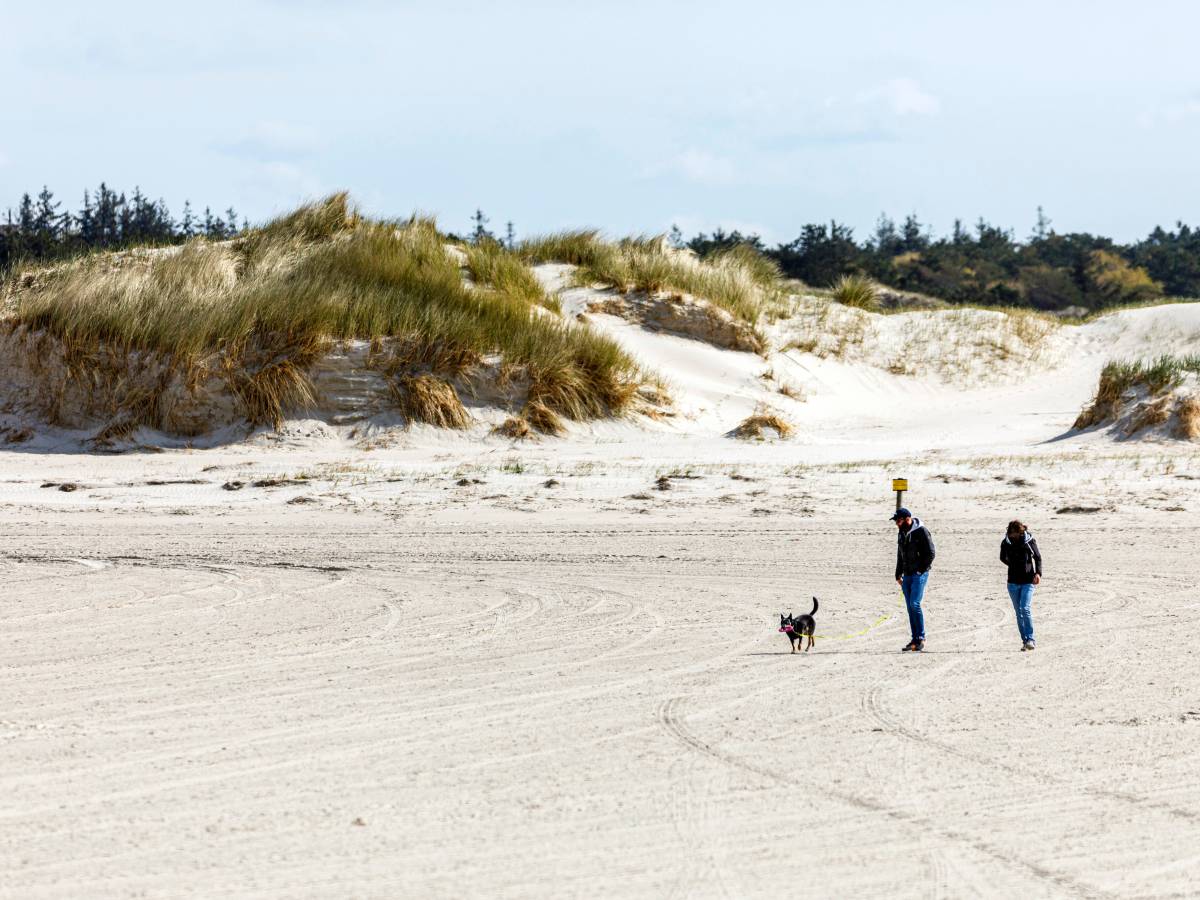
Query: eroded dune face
x,y
827,367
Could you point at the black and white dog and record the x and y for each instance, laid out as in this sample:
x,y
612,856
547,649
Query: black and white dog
x,y
797,628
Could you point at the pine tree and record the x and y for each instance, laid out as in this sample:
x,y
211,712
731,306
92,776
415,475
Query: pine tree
x,y
47,226
510,236
1041,228
87,222
480,233
26,216
164,227
125,229
187,224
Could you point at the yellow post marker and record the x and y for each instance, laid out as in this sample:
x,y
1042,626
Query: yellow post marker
x,y
899,485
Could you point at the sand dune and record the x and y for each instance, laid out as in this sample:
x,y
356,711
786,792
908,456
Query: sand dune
x,y
354,658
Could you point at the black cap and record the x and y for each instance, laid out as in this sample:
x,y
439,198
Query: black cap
x,y
901,513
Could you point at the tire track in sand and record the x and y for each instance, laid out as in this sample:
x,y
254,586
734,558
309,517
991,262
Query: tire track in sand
x,y
673,724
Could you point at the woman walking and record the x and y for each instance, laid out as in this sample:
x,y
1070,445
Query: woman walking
x,y
1019,551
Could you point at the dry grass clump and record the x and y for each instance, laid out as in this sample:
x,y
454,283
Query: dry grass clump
x,y
513,427
1149,415
760,420
1121,377
1187,418
792,392
424,398
857,291
491,264
542,418
262,303
739,280
276,381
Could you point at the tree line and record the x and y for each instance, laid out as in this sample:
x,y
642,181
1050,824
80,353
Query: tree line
x,y
40,230
986,264
982,264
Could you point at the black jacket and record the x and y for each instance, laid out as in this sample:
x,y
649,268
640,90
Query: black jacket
x,y
914,550
1022,558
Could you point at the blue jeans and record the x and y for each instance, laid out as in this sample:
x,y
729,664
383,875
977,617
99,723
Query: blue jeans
x,y
1021,595
914,592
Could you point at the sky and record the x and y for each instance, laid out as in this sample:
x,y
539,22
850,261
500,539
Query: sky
x,y
628,116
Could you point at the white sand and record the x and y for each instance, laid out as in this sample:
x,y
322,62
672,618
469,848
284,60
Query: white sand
x,y
531,691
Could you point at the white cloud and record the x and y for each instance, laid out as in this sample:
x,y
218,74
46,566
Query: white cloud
x,y
270,140
705,167
903,96
1172,113
290,175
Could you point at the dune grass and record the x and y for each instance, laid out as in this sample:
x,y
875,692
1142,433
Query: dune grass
x,y
493,265
857,291
739,280
1187,418
762,419
1118,377
423,398
266,304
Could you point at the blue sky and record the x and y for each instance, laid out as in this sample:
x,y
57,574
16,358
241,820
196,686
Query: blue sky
x,y
624,115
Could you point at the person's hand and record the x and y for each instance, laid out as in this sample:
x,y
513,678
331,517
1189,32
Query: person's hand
x,y
899,582
1037,579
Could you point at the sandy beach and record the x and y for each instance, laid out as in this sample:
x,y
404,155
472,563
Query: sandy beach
x,y
357,657
408,686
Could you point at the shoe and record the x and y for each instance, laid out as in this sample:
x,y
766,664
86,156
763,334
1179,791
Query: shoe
x,y
1029,645
919,646
911,645
1024,646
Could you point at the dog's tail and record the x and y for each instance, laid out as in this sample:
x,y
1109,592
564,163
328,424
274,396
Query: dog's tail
x,y
815,605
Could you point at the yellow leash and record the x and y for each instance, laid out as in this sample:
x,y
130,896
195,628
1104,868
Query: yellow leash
x,y
845,637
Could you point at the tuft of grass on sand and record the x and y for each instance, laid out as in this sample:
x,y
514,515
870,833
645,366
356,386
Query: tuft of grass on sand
x,y
260,308
762,419
514,427
424,398
493,265
542,418
1121,376
792,392
1156,377
1187,418
740,280
857,291
582,247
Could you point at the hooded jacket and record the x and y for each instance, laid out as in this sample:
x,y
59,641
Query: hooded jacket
x,y
914,550
1022,558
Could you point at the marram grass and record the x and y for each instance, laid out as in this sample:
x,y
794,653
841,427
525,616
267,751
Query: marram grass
x,y
323,273
740,281
1118,377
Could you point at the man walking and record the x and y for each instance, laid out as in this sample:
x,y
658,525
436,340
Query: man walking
x,y
914,559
